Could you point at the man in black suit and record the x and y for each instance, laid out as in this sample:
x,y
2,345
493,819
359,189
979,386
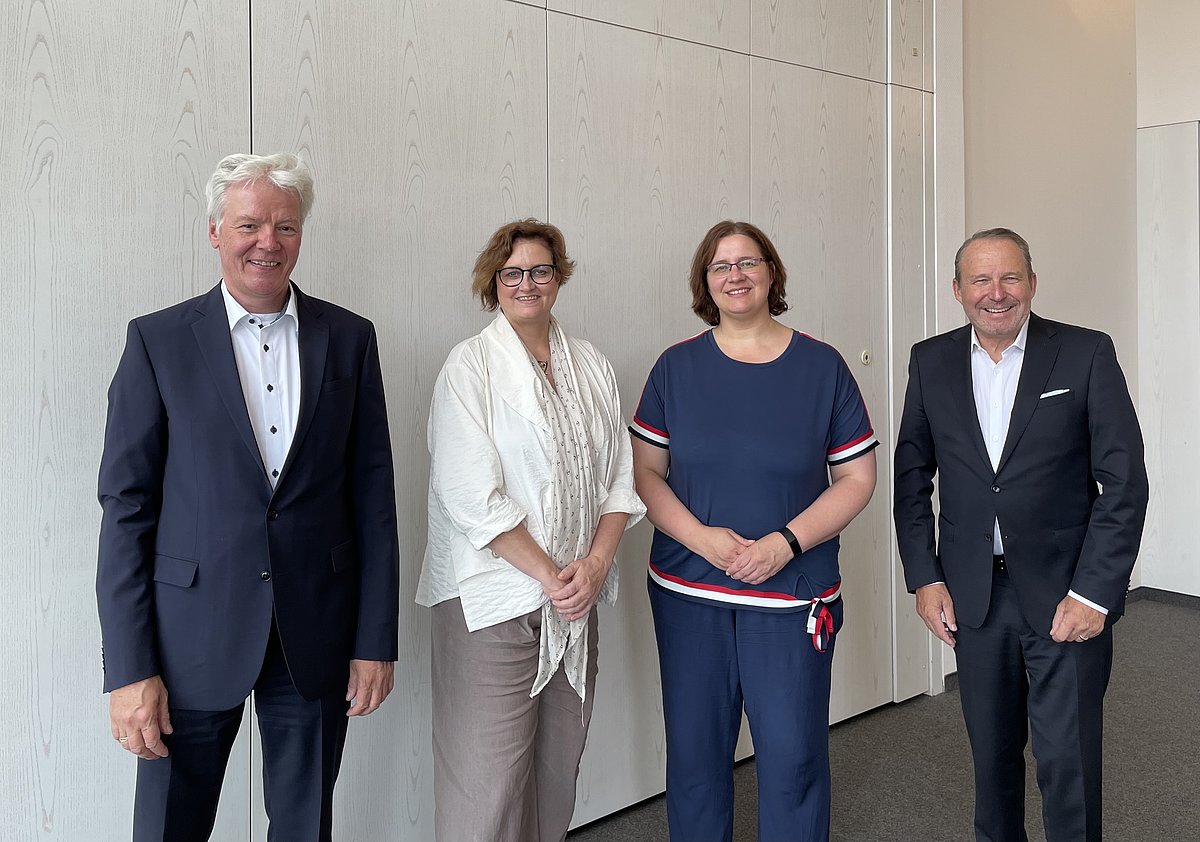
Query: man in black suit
x,y
1042,484
248,541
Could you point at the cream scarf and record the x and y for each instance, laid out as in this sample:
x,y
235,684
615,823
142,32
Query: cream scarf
x,y
572,517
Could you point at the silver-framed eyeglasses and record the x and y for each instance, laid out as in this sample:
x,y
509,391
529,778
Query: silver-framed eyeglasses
x,y
511,276
746,264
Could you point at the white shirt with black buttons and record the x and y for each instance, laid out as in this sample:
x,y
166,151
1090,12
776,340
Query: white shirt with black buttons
x,y
266,347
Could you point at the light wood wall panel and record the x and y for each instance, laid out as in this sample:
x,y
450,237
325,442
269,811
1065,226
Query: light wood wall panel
x,y
1168,332
818,178
911,276
425,132
843,36
910,27
719,23
647,150
110,120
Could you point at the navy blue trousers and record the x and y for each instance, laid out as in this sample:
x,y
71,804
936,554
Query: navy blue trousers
x,y
302,743
1011,678
715,661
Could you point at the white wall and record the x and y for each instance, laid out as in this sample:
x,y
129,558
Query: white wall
x,y
632,125
1050,111
1168,69
1169,311
1168,61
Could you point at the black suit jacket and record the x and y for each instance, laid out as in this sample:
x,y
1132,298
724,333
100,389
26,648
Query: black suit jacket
x,y
1060,532
198,553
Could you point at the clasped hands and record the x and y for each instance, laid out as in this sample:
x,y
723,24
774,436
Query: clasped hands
x,y
752,562
574,590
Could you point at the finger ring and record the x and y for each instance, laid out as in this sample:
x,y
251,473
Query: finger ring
x,y
1082,638
122,739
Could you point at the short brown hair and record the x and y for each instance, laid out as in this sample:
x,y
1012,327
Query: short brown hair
x,y
702,303
500,246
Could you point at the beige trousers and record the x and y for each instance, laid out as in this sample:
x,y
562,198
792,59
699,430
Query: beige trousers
x,y
504,765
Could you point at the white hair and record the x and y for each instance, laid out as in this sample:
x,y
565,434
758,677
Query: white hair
x,y
283,169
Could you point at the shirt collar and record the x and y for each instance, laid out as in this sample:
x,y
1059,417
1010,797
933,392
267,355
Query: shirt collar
x,y
1018,343
237,313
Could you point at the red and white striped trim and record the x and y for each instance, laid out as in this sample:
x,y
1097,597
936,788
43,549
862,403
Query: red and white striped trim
x,y
735,596
651,434
848,451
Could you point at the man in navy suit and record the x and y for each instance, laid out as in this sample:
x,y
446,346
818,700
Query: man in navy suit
x,y
1029,426
248,541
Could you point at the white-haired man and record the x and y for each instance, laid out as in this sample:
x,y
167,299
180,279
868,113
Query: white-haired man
x,y
248,541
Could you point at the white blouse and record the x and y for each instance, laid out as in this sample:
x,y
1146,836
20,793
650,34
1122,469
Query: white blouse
x,y
491,459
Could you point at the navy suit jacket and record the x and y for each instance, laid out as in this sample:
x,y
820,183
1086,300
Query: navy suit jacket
x,y
198,553
1073,429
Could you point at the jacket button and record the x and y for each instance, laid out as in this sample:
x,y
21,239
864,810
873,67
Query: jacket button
x,y
266,575
274,515
996,489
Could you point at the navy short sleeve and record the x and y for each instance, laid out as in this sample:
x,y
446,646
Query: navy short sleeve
x,y
851,434
650,419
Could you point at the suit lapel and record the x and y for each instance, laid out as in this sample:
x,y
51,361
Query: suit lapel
x,y
1041,350
314,345
958,367
211,330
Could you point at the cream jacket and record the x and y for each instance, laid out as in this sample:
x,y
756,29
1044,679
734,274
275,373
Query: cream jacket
x,y
490,455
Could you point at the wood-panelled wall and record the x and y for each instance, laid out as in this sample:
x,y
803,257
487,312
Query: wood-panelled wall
x,y
632,124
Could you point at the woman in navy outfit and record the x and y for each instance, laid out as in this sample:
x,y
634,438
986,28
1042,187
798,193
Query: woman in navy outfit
x,y
752,451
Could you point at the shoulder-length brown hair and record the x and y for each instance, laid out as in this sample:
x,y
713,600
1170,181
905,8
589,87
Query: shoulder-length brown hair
x,y
498,249
702,302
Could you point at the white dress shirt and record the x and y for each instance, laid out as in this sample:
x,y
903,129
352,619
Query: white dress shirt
x,y
995,388
267,350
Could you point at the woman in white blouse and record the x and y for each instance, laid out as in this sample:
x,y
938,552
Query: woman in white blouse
x,y
530,490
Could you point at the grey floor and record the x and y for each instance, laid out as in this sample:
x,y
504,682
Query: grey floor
x,y
903,772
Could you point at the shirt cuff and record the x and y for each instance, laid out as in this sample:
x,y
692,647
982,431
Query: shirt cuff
x,y
626,502
1088,602
503,515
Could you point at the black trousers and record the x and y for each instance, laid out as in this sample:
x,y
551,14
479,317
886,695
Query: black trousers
x,y
1011,680
302,743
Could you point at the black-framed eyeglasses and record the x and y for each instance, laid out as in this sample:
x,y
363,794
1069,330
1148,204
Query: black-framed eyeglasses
x,y
746,264
511,276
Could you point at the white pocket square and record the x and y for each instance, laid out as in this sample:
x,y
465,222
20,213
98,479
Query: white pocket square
x,y
1053,392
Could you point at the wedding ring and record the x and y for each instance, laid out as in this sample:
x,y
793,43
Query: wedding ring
x,y
122,739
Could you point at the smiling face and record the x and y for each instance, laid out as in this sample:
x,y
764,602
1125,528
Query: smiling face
x,y
740,294
259,243
995,288
528,303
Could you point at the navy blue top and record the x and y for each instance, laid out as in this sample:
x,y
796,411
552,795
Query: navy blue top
x,y
750,445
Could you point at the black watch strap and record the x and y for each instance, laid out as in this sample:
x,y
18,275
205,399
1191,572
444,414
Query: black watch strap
x,y
792,542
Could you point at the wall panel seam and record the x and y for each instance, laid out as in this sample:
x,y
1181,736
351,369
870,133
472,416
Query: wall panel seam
x,y
546,93
910,88
722,47
1164,125
250,73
